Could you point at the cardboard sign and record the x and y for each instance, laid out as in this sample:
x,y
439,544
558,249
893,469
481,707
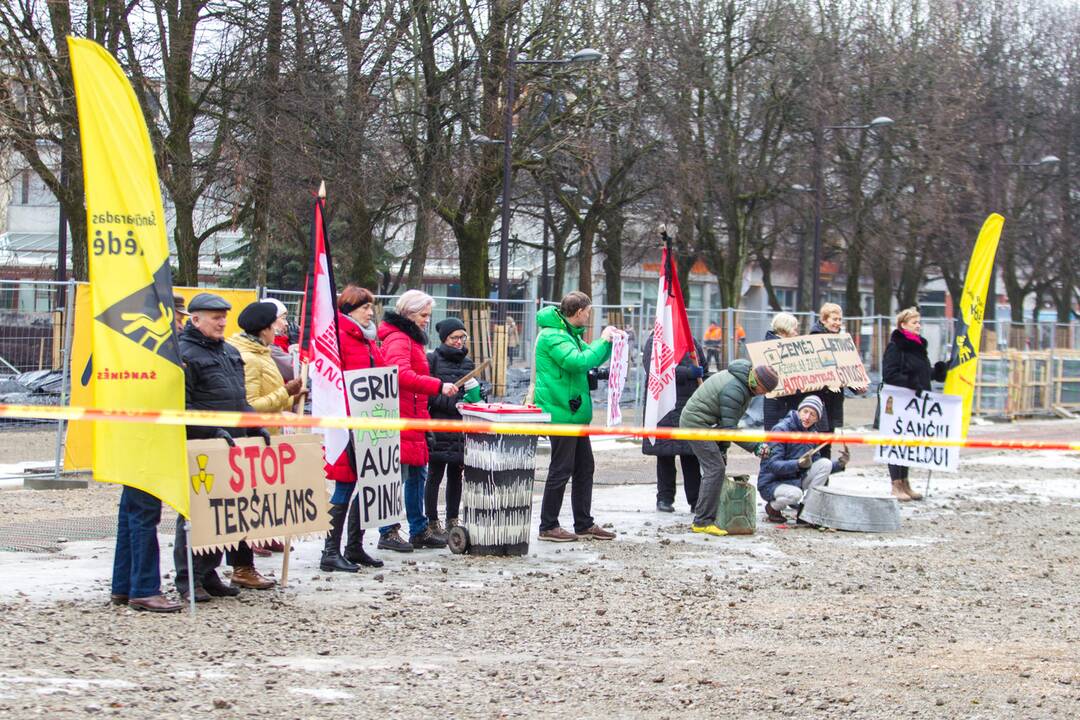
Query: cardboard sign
x,y
811,362
617,368
254,491
374,393
934,415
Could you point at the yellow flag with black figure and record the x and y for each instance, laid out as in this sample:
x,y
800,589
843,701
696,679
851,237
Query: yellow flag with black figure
x,y
135,357
964,363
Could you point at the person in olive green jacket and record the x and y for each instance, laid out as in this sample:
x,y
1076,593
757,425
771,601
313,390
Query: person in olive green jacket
x,y
563,361
720,402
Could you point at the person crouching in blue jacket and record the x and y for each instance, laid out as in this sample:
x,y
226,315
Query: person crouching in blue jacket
x,y
789,470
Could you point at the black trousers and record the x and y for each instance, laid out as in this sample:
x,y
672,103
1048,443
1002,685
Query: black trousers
x,y
665,478
898,472
453,471
205,563
571,457
712,355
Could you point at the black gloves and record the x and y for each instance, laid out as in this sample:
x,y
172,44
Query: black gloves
x,y
223,434
260,432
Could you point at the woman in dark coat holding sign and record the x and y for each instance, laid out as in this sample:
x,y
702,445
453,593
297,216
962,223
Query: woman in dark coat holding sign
x,y
906,364
687,375
356,338
449,362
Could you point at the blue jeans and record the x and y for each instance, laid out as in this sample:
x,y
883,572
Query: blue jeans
x,y
415,477
342,492
136,571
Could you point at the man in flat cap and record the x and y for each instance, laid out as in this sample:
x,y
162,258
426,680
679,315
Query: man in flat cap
x,y
720,402
214,380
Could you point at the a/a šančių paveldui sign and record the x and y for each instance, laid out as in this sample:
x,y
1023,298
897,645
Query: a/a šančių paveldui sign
x,y
931,415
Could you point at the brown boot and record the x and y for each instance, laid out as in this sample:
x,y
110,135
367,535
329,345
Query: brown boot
x,y
248,577
899,492
910,492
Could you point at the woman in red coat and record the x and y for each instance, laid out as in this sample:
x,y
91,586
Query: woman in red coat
x,y
404,343
356,337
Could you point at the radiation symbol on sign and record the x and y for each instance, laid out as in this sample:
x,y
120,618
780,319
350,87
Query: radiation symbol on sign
x,y
146,316
202,477
963,350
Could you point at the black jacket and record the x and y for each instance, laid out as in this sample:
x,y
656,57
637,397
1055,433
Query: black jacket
x,y
213,379
449,364
685,385
906,364
833,400
776,409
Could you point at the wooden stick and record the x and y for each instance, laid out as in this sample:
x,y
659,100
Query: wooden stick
x,y
474,373
285,562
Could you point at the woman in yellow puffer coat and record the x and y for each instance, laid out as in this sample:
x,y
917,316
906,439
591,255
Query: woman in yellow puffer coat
x,y
267,391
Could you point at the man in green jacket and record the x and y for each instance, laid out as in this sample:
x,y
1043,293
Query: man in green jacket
x,y
563,361
720,402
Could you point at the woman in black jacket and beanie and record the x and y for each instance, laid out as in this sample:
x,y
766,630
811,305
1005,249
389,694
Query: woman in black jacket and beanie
x,y
687,375
830,321
775,409
906,364
449,362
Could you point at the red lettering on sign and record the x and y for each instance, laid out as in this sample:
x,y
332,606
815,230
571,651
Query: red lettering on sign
x,y
288,455
270,475
236,480
252,454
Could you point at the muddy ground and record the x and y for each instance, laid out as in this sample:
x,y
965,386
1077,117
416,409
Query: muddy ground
x,y
969,611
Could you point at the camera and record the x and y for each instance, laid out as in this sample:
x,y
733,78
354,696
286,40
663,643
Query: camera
x,y
596,375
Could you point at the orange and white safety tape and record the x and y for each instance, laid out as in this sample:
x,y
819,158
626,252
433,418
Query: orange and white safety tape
x,y
238,419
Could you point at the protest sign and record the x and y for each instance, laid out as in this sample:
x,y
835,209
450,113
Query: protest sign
x,y
255,492
617,377
374,393
932,415
811,362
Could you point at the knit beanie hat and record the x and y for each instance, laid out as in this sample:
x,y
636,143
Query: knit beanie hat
x,y
256,317
766,377
447,327
814,403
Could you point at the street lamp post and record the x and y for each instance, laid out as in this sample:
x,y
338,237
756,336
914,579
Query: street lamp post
x,y
586,55
819,194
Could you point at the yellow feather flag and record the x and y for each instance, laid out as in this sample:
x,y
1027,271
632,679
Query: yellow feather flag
x,y
964,364
135,361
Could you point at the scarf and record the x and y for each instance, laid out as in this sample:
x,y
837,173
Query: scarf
x,y
370,331
913,337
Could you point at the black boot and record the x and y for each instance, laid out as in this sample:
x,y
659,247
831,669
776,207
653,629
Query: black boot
x,y
331,556
354,542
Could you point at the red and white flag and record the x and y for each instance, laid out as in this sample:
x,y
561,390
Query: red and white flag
x,y
671,340
320,346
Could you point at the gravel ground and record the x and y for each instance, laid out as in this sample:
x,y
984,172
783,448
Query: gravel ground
x,y
968,611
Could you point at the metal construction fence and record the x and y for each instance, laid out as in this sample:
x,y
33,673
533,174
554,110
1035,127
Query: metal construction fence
x,y
1026,368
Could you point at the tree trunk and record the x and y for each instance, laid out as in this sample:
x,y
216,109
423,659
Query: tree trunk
x,y
613,259
361,232
765,263
187,253
267,121
472,240
585,256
